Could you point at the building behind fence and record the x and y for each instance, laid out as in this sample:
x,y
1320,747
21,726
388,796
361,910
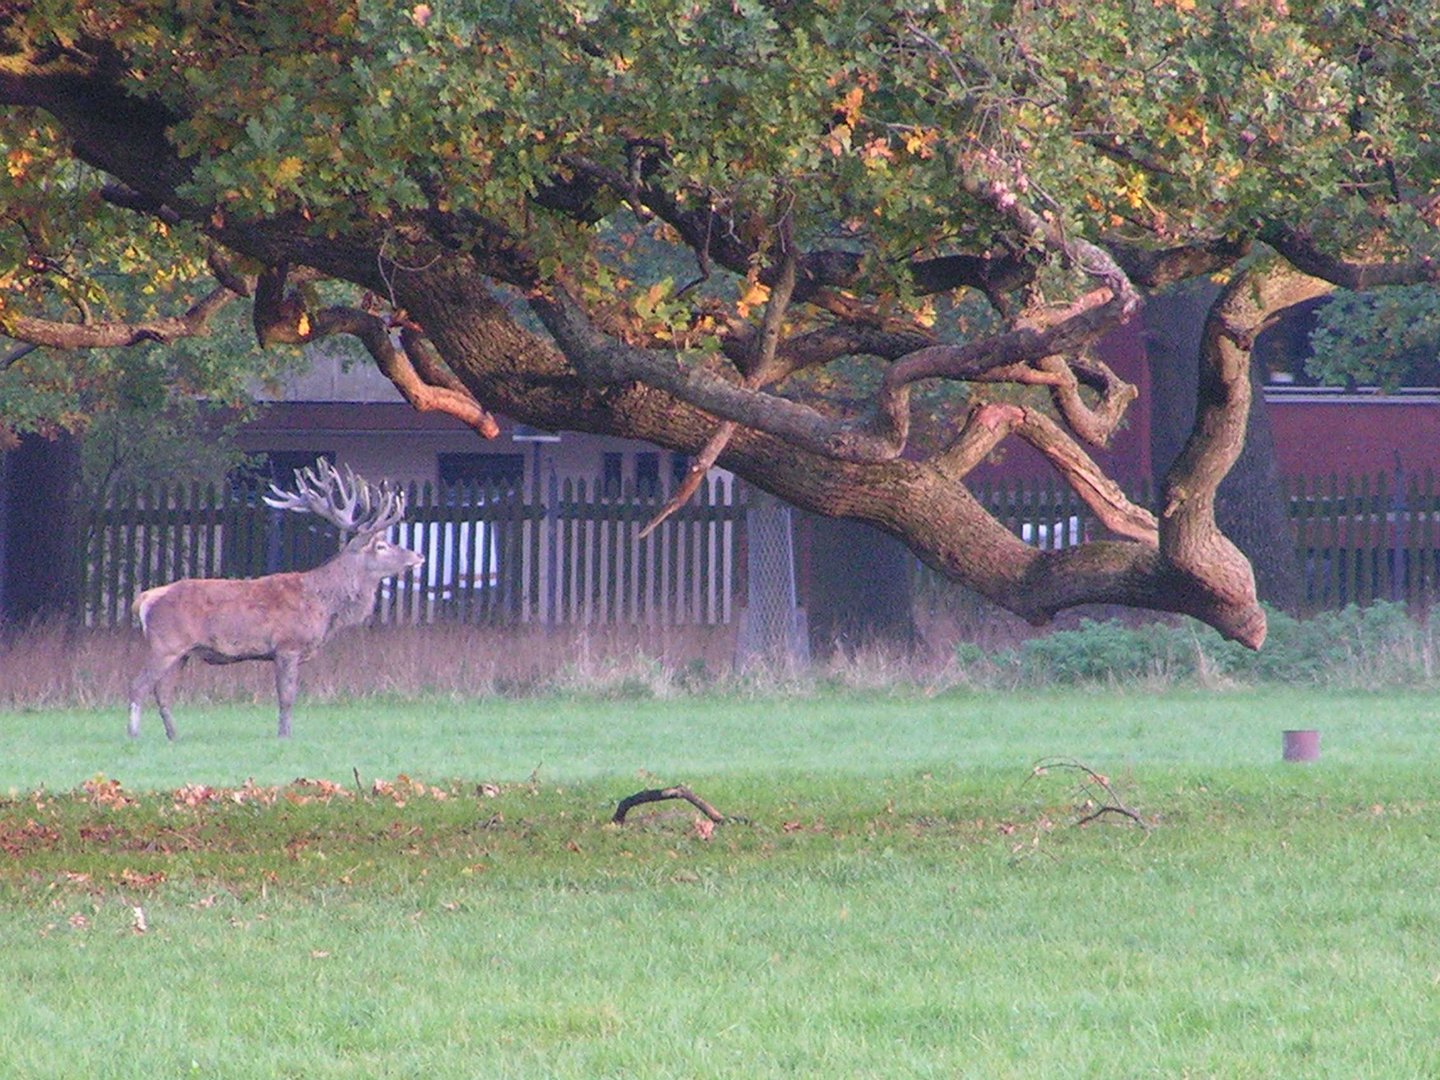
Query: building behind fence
x,y
570,553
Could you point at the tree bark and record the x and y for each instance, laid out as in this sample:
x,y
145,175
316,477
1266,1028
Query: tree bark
x,y
1250,505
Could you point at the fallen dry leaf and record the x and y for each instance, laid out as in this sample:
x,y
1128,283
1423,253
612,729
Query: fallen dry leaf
x,y
104,792
134,879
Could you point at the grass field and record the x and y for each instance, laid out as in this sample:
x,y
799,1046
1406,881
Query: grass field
x,y
899,897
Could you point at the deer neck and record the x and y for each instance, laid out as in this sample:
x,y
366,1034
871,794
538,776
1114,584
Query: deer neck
x,y
344,589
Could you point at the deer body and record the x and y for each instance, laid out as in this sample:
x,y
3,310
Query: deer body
x,y
284,617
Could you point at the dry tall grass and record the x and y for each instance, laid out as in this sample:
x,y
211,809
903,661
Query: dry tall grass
x,y
52,666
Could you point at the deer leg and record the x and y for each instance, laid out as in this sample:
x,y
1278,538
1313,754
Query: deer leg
x,y
165,694
287,685
150,677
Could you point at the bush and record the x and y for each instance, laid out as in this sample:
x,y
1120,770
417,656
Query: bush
x,y
1378,645
1108,651
1369,646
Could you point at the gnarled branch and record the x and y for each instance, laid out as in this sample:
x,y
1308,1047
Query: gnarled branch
x,y
1299,249
195,322
1206,562
650,795
282,317
990,422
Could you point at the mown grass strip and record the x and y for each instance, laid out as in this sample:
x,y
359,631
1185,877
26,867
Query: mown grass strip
x,y
908,900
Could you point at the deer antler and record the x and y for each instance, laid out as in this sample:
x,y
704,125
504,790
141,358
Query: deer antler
x,y
349,502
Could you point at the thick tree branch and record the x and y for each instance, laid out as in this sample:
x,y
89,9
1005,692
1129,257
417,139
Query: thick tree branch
x,y
396,365
716,237
818,347
1101,494
1081,324
990,422
605,362
1064,376
760,369
115,334
1301,252
1157,268
282,317
1209,568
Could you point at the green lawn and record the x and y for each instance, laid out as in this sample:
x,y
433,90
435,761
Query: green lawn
x,y
901,897
585,738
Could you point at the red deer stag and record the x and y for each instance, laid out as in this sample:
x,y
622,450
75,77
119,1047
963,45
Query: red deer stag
x,y
280,617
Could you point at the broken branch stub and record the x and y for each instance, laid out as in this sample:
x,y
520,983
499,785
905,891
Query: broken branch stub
x,y
659,795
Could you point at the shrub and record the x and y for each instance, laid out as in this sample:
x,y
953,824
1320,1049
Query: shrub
x,y
1378,645
1370,646
1108,651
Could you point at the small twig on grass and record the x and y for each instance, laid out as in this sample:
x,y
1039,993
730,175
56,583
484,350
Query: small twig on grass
x,y
1095,789
658,794
359,787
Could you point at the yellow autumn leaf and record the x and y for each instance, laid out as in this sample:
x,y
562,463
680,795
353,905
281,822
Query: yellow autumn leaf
x,y
921,141
646,303
288,171
849,105
753,297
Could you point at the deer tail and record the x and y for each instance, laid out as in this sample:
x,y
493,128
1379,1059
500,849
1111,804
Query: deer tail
x,y
140,608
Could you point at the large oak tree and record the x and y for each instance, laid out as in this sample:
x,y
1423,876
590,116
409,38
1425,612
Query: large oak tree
x,y
841,248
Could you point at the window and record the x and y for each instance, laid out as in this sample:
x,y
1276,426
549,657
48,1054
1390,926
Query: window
x,y
647,473
486,470
612,473
274,467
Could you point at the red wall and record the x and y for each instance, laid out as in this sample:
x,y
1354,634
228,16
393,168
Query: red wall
x,y
1350,434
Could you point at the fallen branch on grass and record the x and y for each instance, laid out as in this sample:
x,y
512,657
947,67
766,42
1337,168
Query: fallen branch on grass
x,y
1095,789
657,795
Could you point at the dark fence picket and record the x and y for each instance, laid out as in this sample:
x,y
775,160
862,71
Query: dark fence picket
x,y
1333,514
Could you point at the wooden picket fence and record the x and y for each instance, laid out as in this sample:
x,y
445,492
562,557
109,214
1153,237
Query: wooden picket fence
x,y
1367,538
568,554
571,553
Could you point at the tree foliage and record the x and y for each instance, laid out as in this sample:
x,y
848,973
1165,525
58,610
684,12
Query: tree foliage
x,y
753,231
1388,339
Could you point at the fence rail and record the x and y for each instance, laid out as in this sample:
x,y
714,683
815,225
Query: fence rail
x,y
571,553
